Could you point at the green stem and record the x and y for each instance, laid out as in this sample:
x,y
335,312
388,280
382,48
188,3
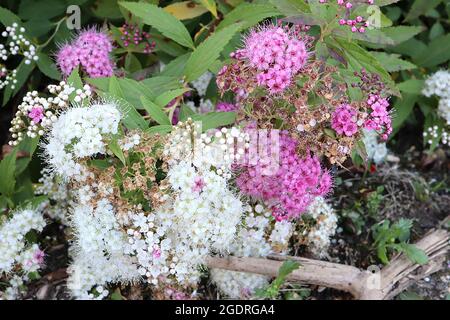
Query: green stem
x,y
58,24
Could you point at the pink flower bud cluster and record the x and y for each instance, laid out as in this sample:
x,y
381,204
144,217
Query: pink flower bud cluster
x,y
379,118
132,34
290,187
91,51
344,120
276,52
356,25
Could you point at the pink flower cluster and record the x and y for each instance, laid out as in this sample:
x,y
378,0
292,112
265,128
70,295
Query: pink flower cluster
x,y
226,107
90,50
358,24
277,53
291,188
344,120
379,118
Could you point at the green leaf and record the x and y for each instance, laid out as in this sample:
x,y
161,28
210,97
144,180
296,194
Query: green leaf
x,y
248,14
131,118
100,163
436,30
36,201
116,295
359,58
211,6
287,268
392,62
185,10
402,229
163,128
411,48
290,7
374,36
160,84
409,295
208,52
27,145
7,18
166,23
74,79
420,7
162,44
185,112
415,254
113,145
214,120
400,34
129,88
382,254
413,86
164,99
438,52
132,63
382,3
175,67
47,9
272,291
23,72
155,111
107,9
38,27
7,173
402,109
47,66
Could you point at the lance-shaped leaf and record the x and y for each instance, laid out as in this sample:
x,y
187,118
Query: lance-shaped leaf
x,y
208,52
166,23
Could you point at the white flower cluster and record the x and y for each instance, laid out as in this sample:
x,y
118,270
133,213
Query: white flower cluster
x,y
59,194
129,141
439,84
376,151
251,240
17,44
79,133
9,77
3,54
444,109
201,84
281,234
433,133
199,218
36,114
98,251
237,285
15,288
258,237
13,247
326,223
218,149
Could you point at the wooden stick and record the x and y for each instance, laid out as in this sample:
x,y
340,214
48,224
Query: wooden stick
x,y
362,284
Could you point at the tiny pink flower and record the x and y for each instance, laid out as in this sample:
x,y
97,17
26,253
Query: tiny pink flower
x,y
199,184
38,257
156,253
36,114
